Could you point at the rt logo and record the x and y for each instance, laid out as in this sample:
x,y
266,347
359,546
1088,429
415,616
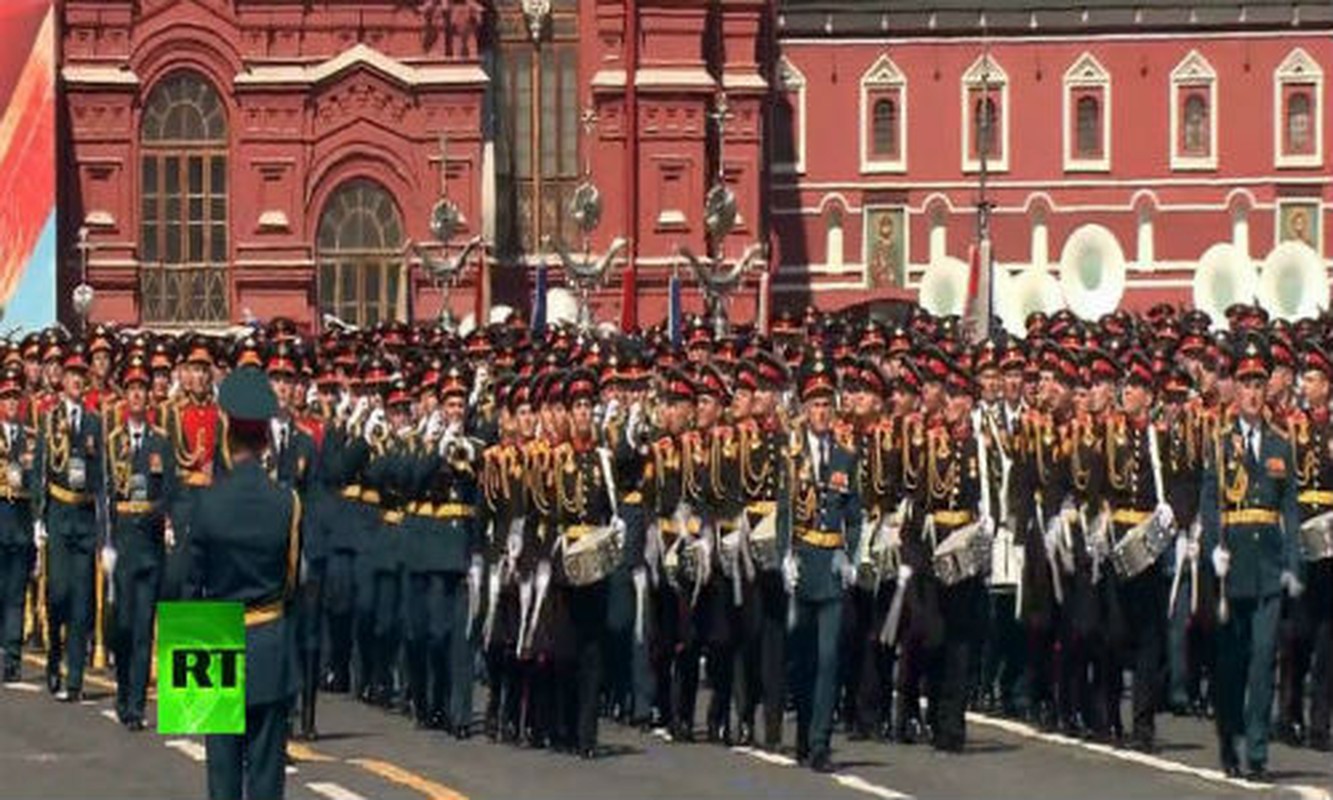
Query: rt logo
x,y
201,650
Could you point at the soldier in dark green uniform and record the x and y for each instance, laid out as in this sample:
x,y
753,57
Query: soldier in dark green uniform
x,y
1251,522
820,535
442,550
292,463
17,444
245,546
141,464
70,455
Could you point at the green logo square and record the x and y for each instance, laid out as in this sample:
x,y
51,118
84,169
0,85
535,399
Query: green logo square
x,y
200,668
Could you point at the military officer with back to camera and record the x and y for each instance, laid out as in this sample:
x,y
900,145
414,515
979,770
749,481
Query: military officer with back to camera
x,y
70,454
17,451
141,465
819,529
246,547
1251,520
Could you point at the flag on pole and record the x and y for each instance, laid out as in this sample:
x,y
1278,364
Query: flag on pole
x,y
539,301
629,295
979,293
673,309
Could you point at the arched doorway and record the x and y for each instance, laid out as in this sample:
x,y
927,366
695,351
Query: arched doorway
x,y
360,253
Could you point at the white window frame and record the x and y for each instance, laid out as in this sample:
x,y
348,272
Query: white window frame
x,y
791,79
998,81
883,75
1193,71
1297,68
1086,73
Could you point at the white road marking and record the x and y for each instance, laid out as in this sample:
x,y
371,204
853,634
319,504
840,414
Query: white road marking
x,y
857,783
192,749
291,770
110,714
763,755
333,791
1144,759
87,702
23,686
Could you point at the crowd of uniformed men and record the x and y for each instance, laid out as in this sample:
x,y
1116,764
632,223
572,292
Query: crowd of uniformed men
x,y
851,518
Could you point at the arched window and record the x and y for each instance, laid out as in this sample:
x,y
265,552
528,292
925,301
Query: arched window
x,y
986,119
886,128
1089,127
183,218
360,245
1299,123
1196,125
833,255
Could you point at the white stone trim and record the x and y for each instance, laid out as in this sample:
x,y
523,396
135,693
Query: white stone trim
x,y
361,54
743,80
1298,67
883,74
274,219
98,75
1086,73
791,79
1193,70
998,81
100,219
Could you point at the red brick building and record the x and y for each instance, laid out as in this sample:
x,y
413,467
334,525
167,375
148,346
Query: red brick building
x,y
234,157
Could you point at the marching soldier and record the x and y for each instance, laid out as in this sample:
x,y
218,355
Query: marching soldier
x,y
246,546
71,468
442,549
584,506
293,464
762,676
1311,434
1135,490
141,466
504,490
193,425
18,443
819,536
1250,518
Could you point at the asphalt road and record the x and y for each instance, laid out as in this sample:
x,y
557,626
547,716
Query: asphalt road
x,y
52,750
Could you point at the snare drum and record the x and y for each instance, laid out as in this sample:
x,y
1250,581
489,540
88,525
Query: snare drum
x,y
965,553
1140,548
1317,537
592,556
764,542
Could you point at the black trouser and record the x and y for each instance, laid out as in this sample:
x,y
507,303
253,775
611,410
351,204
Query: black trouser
x,y
1294,654
69,593
676,650
867,666
15,561
580,680
250,765
763,667
136,606
339,601
503,676
1002,670
961,607
1318,598
718,622
309,616
1143,601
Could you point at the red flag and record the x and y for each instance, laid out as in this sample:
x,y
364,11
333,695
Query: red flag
x,y
978,309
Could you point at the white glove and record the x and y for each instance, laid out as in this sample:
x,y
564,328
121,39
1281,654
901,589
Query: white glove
x,y
844,568
1182,549
474,571
359,410
904,574
344,403
620,531
38,533
168,534
1221,561
1051,536
791,572
1291,584
543,576
375,420
108,559
988,526
1166,516
311,395
433,425
1192,549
